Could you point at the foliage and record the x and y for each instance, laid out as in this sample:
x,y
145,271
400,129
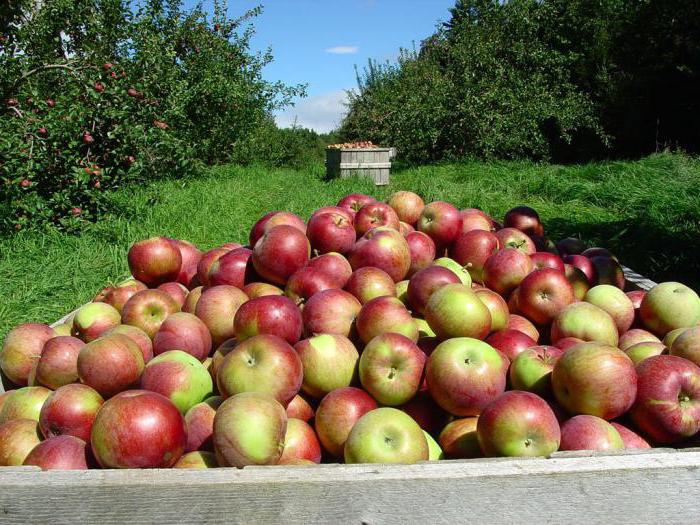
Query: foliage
x,y
646,211
540,79
95,95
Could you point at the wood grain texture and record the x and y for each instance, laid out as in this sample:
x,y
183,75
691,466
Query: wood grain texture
x,y
366,162
659,487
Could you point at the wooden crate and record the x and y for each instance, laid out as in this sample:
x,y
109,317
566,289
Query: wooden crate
x,y
638,486
364,162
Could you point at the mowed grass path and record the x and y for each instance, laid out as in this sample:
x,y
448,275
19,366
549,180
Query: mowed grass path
x,y
647,211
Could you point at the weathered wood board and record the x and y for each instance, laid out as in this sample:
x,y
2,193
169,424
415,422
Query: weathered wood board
x,y
659,486
365,162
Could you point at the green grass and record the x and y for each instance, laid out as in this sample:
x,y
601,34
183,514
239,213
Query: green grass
x,y
647,211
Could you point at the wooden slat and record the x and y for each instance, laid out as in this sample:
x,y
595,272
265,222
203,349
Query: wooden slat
x,y
645,488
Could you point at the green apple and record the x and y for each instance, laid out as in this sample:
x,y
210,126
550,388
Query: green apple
x,y
459,270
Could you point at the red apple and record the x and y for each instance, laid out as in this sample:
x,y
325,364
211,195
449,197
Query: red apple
x,y
24,403
306,282
567,342
138,429
355,201
234,268
631,439
578,280
585,265
369,283
348,214
543,294
191,256
59,453
217,307
512,238
636,296
634,336
542,260
148,309
331,232
300,442
472,249
383,315
272,220
207,261
154,261
71,410
391,369
386,435
249,429
405,228
138,336
464,375
442,222
280,252
532,369
497,307
686,345
407,205
271,314
473,219
18,438
517,322
667,408
510,342
180,377
255,290
199,421
570,246
118,295
192,300
456,311
110,364
337,414
177,291
375,215
587,322
422,251
668,306
459,440
333,264
518,423
595,379
186,332
329,362
587,432
505,270
615,303
609,271
330,312
425,282
58,364
264,363
300,408
94,319
524,219
641,351
383,248
425,411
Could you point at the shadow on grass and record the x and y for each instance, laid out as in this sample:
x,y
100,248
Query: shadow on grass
x,y
648,248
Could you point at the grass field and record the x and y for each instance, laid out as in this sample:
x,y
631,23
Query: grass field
x,y
647,211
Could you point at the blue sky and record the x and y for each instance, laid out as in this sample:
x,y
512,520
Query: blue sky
x,y
319,42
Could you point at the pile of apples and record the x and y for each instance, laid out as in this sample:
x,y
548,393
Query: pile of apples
x,y
375,332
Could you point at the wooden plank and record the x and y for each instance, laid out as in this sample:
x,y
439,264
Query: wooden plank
x,y
637,281
645,488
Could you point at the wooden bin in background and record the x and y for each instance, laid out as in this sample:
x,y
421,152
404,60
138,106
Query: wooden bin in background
x,y
365,162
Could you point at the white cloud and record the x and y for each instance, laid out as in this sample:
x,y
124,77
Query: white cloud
x,y
343,50
321,113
